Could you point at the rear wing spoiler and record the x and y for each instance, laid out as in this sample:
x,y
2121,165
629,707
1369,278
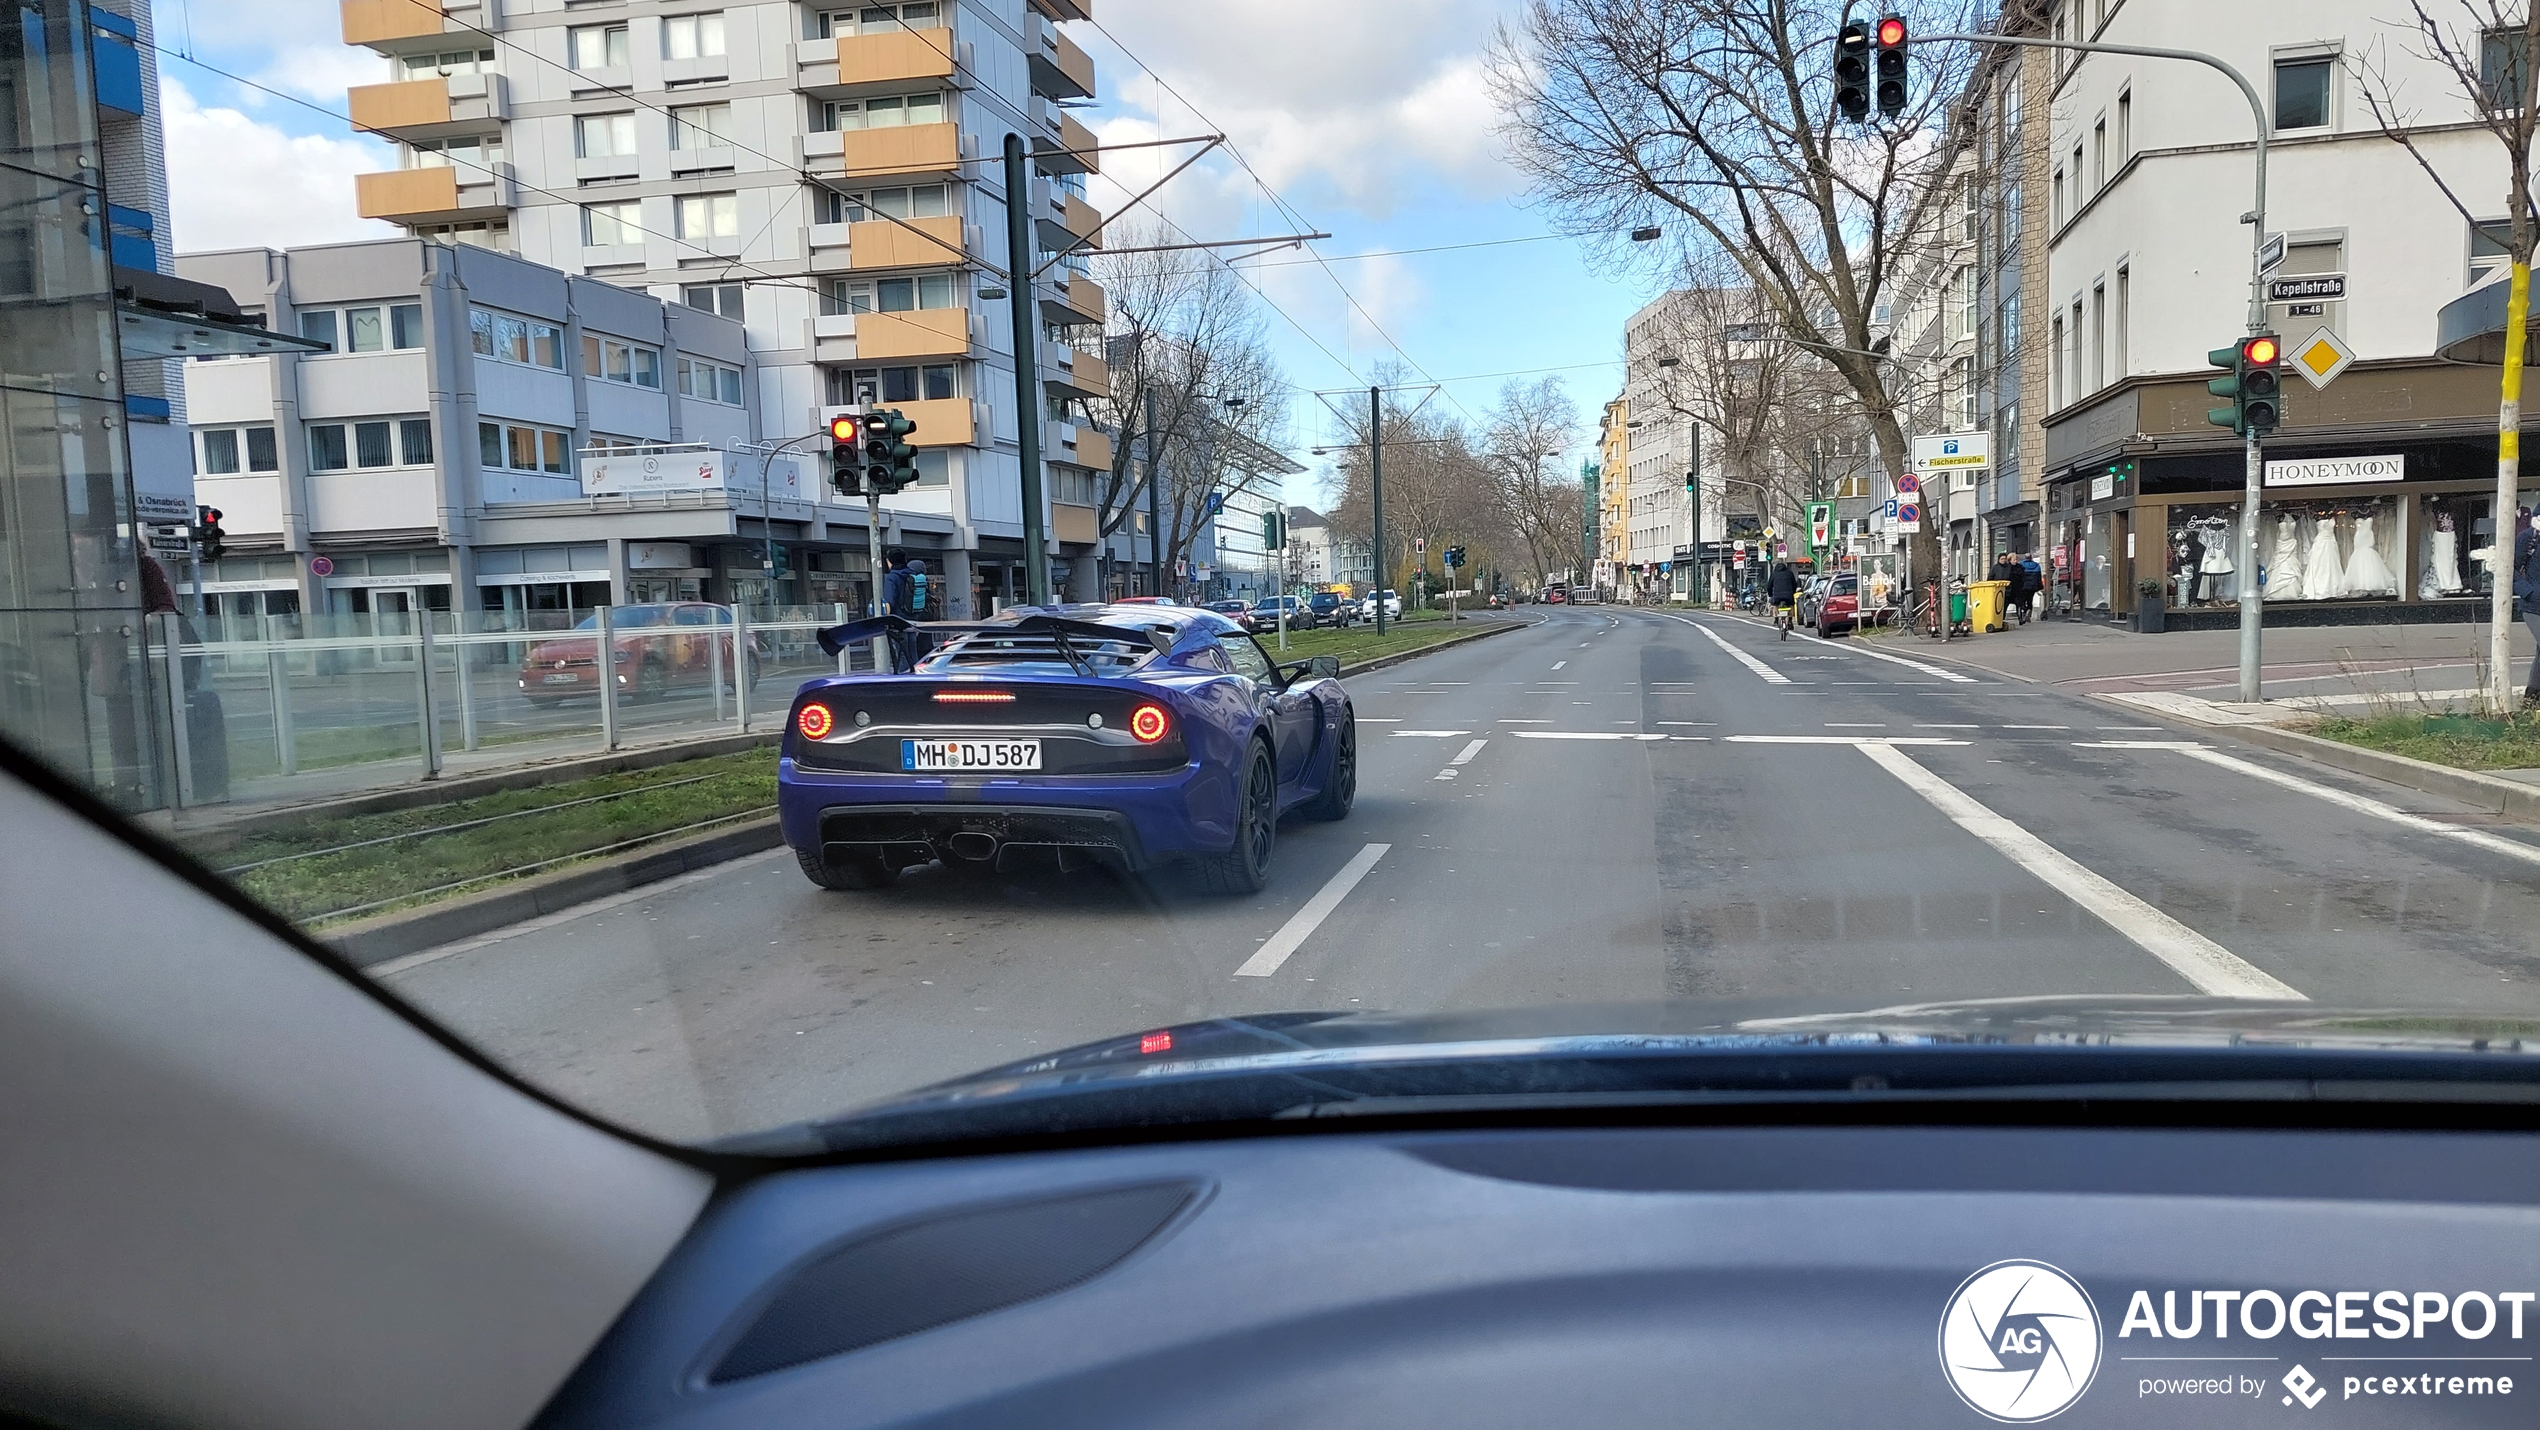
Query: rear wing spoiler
x,y
909,641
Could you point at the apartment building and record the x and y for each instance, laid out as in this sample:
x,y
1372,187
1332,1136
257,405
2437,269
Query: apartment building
x,y
485,434
2378,489
1609,478
664,149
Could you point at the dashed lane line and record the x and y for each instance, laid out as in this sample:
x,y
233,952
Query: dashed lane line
x,y
1301,925
1469,751
2207,965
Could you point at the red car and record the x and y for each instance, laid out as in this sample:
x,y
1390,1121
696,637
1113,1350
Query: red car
x,y
659,649
1839,610
1555,596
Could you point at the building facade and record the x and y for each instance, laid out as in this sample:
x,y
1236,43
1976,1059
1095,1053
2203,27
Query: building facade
x,y
1612,484
2378,488
829,175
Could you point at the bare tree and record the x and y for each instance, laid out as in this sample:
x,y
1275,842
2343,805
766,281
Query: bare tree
x,y
1439,491
1716,118
2490,54
1534,424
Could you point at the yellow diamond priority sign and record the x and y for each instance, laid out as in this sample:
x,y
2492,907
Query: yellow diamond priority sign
x,y
2321,357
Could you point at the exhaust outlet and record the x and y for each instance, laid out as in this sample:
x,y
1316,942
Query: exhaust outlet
x,y
972,846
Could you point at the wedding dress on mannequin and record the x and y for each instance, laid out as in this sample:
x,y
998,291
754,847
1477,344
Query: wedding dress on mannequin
x,y
2443,564
2366,573
2219,538
2323,573
2284,563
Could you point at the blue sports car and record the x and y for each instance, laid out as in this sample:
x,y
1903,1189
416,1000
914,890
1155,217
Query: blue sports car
x,y
1133,735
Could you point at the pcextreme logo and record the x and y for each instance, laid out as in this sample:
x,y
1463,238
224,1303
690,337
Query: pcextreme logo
x,y
2019,1341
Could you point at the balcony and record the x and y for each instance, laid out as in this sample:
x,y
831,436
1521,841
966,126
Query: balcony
x,y
1078,300
434,195
931,332
431,108
1063,219
1074,151
923,243
1093,449
914,152
1065,9
1060,67
857,64
1075,373
1077,525
378,22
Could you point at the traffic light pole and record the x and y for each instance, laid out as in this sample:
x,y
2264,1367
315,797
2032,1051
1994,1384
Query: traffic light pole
x,y
1376,490
2252,602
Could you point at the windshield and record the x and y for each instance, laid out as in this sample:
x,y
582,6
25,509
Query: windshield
x,y
1531,522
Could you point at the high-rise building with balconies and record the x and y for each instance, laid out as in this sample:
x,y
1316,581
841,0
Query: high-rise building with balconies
x,y
830,174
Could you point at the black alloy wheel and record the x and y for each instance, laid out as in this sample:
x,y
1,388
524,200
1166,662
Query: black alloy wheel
x,y
1342,791
1245,868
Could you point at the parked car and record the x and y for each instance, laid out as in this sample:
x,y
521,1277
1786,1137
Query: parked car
x,y
1146,601
1238,611
1812,589
1838,610
1265,613
1393,606
1555,596
1330,610
660,648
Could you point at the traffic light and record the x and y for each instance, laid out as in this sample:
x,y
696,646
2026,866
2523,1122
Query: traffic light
x,y
890,462
1274,531
207,532
846,455
2253,387
1852,71
1453,557
1892,65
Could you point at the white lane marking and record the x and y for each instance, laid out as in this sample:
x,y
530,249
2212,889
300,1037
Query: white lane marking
x,y
1428,734
1948,727
1582,643
2037,727
1443,775
1470,751
392,967
1580,735
1379,719
1525,722
1690,739
1856,724
1842,740
1266,959
2360,804
1770,675
2201,961
1933,671
1814,1019
2136,745
2153,728
1689,722
1556,665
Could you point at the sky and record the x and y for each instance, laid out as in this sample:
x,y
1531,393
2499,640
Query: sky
x,y
1369,122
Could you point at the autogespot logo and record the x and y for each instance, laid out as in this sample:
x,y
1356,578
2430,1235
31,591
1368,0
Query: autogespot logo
x,y
2019,1341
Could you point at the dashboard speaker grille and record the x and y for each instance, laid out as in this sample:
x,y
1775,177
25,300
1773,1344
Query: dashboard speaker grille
x,y
931,1273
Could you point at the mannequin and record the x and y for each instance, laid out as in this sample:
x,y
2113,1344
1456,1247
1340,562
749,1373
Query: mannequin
x,y
2284,563
2323,572
2443,562
2366,573
2191,569
2218,544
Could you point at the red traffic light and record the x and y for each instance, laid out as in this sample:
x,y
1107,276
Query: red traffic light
x,y
1891,32
842,428
2260,351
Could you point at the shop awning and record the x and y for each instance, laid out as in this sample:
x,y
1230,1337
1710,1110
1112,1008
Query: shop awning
x,y
2471,328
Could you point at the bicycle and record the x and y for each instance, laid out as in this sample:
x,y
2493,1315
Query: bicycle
x,y
1783,620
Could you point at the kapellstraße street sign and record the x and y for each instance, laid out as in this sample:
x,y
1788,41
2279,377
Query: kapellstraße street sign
x,y
2307,288
2321,357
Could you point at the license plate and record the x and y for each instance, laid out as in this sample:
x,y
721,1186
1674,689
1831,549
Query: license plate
x,y
566,678
970,756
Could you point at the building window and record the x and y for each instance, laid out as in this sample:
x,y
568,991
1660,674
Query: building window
x,y
414,441
2059,199
405,325
710,216
2010,215
320,326
2301,93
612,360
522,449
2117,333
884,113
709,381
914,201
474,156
462,62
688,37
603,136
1962,376
475,235
220,454
2098,336
723,298
2099,155
520,340
609,225
2502,65
700,126
2488,249
2009,320
364,330
261,453
599,47
874,19
2125,127
370,445
327,452
932,383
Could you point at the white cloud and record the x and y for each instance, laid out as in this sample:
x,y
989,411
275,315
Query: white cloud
x,y
322,72
237,182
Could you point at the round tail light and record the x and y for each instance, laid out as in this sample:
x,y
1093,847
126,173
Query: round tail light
x,y
815,721
1149,723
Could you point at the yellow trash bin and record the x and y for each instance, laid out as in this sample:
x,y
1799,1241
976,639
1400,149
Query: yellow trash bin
x,y
1985,600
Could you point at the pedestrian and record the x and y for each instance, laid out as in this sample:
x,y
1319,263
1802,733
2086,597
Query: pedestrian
x,y
1782,590
2032,586
2527,591
895,583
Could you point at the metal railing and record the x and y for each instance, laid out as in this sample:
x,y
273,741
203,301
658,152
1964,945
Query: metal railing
x,y
288,707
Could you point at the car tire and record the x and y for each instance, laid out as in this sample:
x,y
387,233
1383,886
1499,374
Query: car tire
x,y
856,872
1245,868
1341,790
652,681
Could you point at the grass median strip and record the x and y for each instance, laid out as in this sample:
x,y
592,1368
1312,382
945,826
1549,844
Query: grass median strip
x,y
2461,741
375,861
1360,642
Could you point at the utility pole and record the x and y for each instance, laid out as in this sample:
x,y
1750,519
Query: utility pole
x,y
1155,521
1019,253
1376,490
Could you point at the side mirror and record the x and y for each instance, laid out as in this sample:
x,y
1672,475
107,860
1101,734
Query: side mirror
x,y
1315,667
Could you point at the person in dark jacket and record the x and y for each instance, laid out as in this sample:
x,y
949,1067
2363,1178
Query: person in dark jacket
x,y
2032,585
2527,590
1780,591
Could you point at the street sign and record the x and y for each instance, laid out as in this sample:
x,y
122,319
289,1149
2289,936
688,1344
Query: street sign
x,y
1206,572
1820,522
171,540
2270,254
1909,515
321,566
1953,452
1908,485
2308,288
2321,357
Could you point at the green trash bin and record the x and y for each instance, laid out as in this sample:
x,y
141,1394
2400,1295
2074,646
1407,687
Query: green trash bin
x,y
1957,608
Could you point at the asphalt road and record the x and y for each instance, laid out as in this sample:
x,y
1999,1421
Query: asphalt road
x,y
1611,805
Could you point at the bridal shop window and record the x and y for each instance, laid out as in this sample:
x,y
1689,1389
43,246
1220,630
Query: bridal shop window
x,y
2204,555
2327,549
2455,544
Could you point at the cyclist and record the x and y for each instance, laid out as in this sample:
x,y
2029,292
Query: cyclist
x,y
1782,591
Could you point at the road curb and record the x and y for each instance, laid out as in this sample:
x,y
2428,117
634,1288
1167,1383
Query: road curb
x,y
394,935
2517,802
386,936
